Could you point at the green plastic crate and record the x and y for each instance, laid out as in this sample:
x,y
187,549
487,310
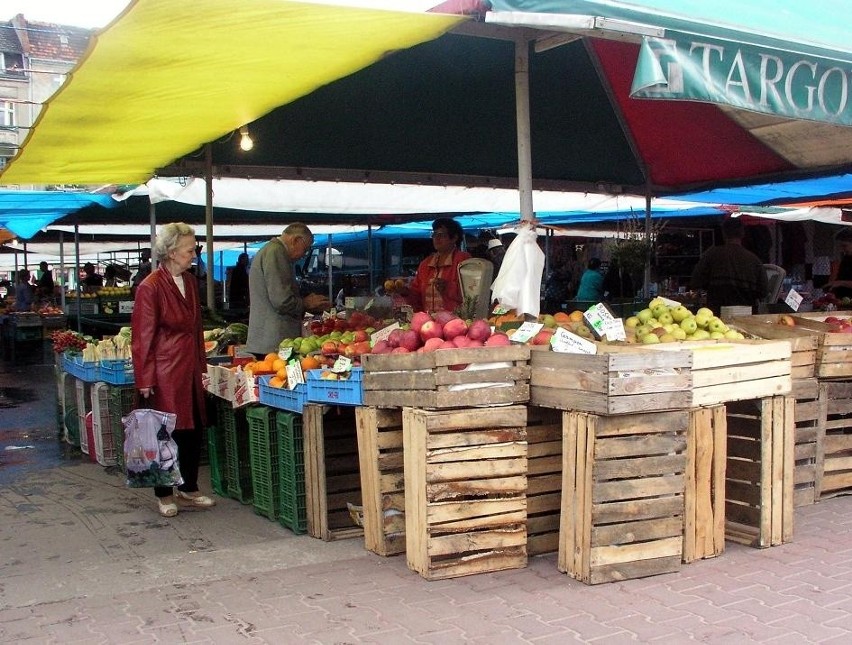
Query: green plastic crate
x,y
217,458
263,448
232,422
121,401
293,512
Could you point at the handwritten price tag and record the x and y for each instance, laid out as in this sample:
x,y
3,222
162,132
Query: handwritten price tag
x,y
285,353
566,342
794,299
526,331
383,333
342,364
599,319
295,376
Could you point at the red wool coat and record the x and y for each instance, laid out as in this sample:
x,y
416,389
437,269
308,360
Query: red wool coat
x,y
168,345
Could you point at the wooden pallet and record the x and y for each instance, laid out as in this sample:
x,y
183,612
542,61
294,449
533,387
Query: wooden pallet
x,y
544,479
465,490
332,478
494,376
837,445
759,479
809,417
616,381
622,495
804,343
704,494
382,481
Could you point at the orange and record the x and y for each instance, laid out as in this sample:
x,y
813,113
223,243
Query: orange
x,y
575,316
282,374
276,381
561,316
277,364
263,366
310,363
270,357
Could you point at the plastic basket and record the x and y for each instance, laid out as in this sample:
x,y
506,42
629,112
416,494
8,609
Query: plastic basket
x,y
67,394
104,439
282,398
118,372
293,512
263,450
232,423
84,371
71,423
84,406
217,459
121,401
336,392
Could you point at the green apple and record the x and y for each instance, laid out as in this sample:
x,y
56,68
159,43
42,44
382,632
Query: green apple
x,y
548,321
668,338
701,334
706,311
689,325
716,335
716,324
654,323
665,318
679,333
680,313
733,334
645,315
659,310
655,302
632,322
670,327
701,319
649,339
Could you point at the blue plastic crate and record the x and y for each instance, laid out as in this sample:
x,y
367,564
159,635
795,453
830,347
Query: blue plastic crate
x,y
118,372
336,392
282,398
85,371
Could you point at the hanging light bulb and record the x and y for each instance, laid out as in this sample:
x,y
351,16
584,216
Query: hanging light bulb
x,y
246,142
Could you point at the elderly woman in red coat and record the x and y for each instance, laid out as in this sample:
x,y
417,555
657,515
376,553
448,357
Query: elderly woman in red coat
x,y
169,358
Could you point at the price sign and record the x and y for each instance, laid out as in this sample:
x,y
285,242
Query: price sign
x,y
295,376
566,342
526,331
599,318
794,300
615,331
383,333
668,302
284,353
342,364
499,310
125,306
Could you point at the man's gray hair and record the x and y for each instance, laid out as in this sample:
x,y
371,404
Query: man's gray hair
x,y
298,229
169,238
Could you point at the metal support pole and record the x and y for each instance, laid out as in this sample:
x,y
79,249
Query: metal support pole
x,y
77,277
522,109
62,280
646,289
152,219
329,267
208,221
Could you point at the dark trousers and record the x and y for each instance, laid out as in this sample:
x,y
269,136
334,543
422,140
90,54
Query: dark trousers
x,y
189,454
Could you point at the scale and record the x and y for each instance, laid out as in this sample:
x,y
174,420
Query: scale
x,y
475,278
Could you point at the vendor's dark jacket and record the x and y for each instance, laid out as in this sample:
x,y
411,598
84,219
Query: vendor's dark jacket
x,y
168,345
732,276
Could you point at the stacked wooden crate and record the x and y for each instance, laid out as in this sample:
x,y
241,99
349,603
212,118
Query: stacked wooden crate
x,y
544,479
837,444
465,490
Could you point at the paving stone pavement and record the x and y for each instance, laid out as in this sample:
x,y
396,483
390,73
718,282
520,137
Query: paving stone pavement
x,y
86,560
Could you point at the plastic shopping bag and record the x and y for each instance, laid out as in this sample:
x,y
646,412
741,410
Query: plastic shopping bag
x,y
518,285
150,452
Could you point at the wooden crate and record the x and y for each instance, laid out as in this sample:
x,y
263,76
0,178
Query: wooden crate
x,y
759,478
804,343
544,479
623,480
332,478
495,376
620,380
837,444
809,417
382,480
704,494
465,490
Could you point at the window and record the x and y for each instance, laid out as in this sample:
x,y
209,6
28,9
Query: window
x,y
7,114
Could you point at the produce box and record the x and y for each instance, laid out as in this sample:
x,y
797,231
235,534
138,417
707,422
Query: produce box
x,y
85,371
282,398
704,493
448,378
836,455
544,479
465,490
234,426
87,307
105,450
335,391
809,417
623,483
618,380
116,372
804,342
291,453
265,465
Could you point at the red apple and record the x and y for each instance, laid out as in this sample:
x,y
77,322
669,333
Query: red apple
x,y
410,339
479,330
454,327
418,319
475,343
443,317
399,350
498,339
329,347
461,341
543,337
432,344
381,347
447,344
360,336
394,337
431,329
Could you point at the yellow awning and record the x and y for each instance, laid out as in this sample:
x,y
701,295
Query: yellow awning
x,y
167,77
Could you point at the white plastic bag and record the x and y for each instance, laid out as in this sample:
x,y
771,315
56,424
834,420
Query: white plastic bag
x,y
518,286
150,452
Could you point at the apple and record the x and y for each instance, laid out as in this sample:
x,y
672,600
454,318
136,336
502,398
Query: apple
x,y
394,337
329,347
701,318
432,344
410,339
400,350
631,322
360,336
542,337
649,339
498,339
733,334
461,341
417,320
716,324
381,347
680,313
454,327
706,311
447,344
659,310
679,333
665,318
668,338
443,317
431,329
645,315
689,325
655,302
641,330
479,330
701,334
716,335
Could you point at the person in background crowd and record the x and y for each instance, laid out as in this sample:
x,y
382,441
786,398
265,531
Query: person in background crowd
x,y
495,249
45,286
729,273
276,306
23,291
556,288
840,280
144,268
238,288
91,278
198,264
169,358
110,276
617,282
591,282
436,284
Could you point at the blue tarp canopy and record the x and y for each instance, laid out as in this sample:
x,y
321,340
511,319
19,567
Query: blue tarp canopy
x,y
26,212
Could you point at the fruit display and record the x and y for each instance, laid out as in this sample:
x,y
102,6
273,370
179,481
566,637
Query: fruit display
x,y
114,293
443,330
396,285
67,340
50,310
662,323
218,338
838,325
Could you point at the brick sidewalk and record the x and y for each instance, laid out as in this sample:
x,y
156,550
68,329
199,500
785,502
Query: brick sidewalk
x,y
797,593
